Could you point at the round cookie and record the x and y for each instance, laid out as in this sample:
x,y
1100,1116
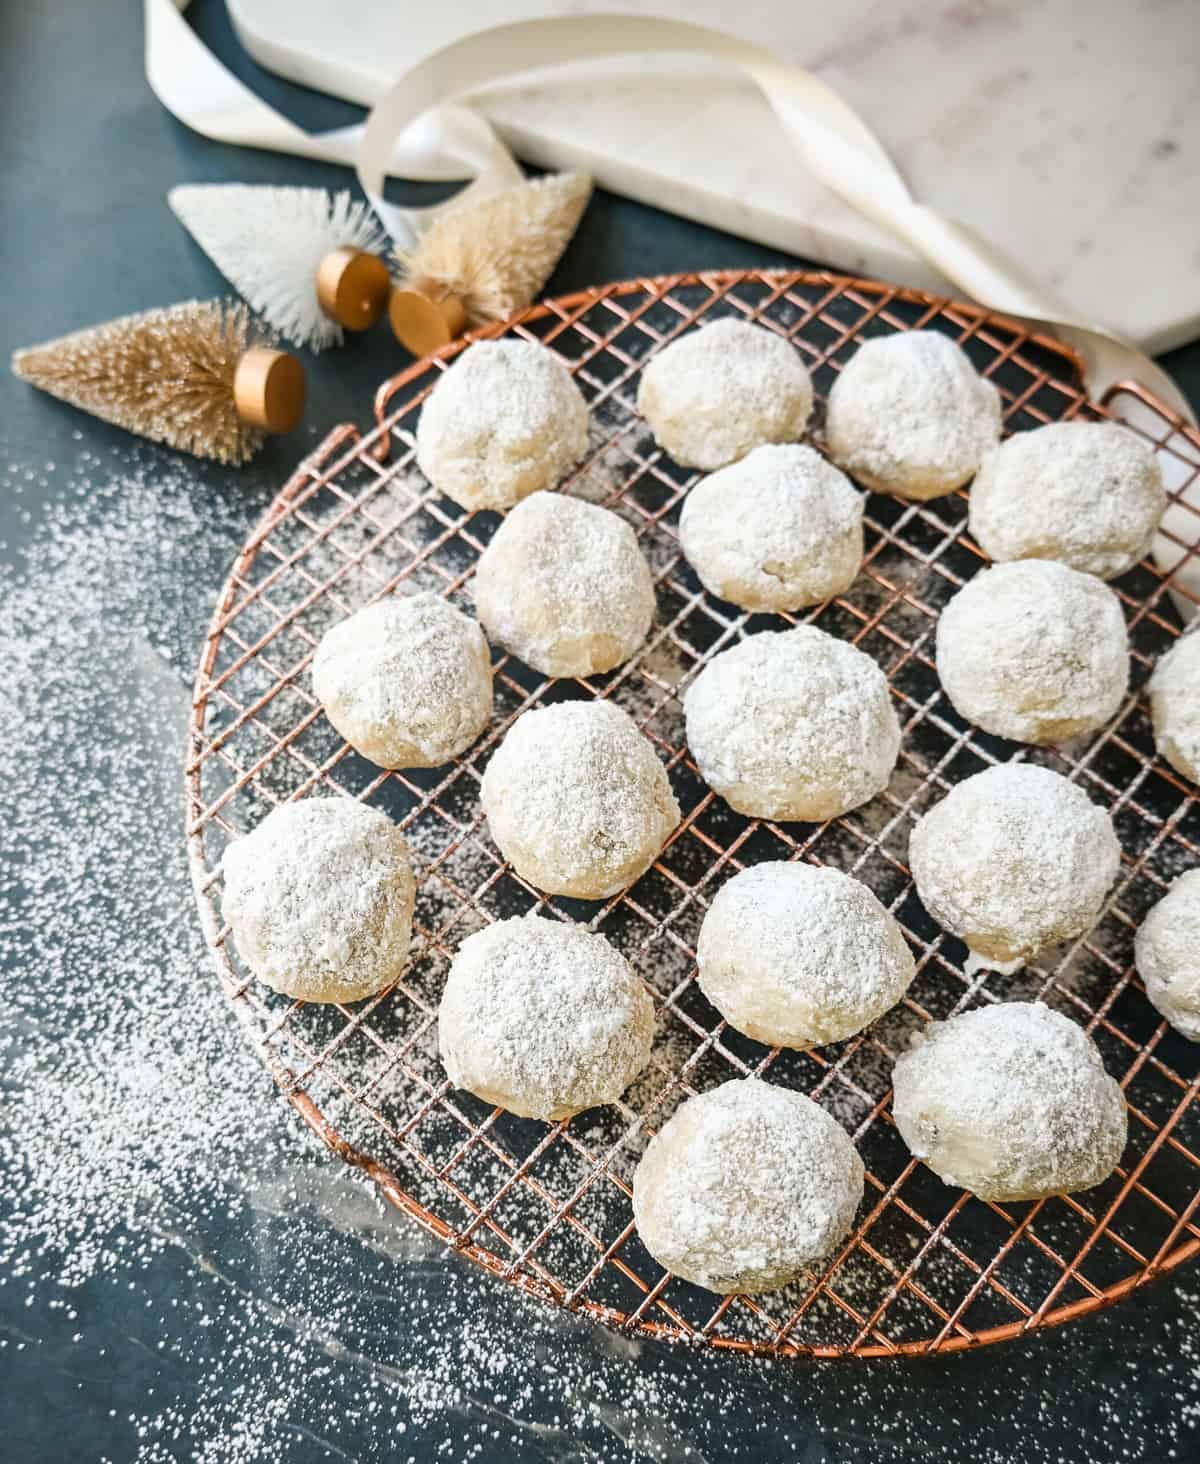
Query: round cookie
x,y
577,801
719,391
909,415
778,530
1167,948
505,420
1089,494
543,1018
319,898
1012,860
565,586
1034,651
746,1187
407,681
796,956
1011,1102
792,724
1175,706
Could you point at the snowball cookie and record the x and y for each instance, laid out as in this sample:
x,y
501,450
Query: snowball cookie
x,y
564,586
1012,860
543,1018
406,681
719,391
1167,949
576,799
796,956
909,415
1034,651
1175,706
1089,494
319,898
745,1187
777,531
505,420
792,724
1011,1102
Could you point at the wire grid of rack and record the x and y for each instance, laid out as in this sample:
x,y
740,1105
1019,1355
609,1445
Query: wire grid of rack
x,y
927,1267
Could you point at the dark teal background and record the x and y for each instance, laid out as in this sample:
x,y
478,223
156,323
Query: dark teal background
x,y
88,155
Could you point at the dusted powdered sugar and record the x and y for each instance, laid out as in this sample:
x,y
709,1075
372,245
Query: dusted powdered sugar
x,y
1168,954
406,681
1175,706
320,899
505,420
796,956
1034,651
1012,860
147,1161
543,1018
1011,1101
719,391
745,1187
1089,494
793,724
564,586
577,800
910,415
777,531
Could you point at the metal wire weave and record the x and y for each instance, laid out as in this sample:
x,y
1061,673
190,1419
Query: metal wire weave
x,y
927,1268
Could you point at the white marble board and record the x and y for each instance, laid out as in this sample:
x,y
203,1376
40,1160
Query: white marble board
x,y
1067,131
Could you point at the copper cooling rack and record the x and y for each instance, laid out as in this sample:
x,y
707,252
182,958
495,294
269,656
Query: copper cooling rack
x,y
928,1268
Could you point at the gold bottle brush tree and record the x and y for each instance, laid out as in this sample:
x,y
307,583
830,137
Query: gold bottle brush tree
x,y
202,377
484,261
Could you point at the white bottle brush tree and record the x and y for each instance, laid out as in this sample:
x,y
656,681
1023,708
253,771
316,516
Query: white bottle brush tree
x,y
307,261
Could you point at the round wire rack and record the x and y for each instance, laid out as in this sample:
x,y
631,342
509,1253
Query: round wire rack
x,y
928,1268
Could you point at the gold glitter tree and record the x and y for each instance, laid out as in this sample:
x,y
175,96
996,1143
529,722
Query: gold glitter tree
x,y
485,260
196,376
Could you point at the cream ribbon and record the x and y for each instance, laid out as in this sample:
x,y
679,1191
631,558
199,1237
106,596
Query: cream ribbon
x,y
414,131
449,143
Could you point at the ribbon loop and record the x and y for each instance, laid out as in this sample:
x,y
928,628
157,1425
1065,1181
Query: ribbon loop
x,y
421,122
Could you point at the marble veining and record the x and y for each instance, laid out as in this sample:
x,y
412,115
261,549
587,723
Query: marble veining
x,y
1068,135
